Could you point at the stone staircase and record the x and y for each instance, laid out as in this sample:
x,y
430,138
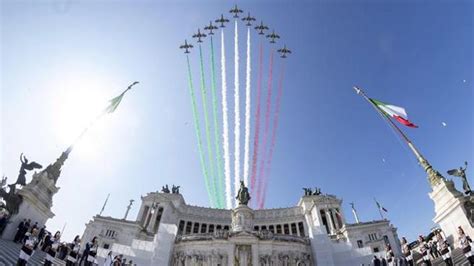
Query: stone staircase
x,y
456,255
9,252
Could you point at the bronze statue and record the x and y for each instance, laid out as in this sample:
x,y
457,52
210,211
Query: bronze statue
x,y
12,199
26,166
243,195
462,174
175,189
165,189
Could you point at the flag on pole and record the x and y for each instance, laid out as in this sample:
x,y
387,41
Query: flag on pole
x,y
380,207
396,112
114,103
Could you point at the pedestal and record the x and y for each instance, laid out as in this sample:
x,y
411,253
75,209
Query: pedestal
x,y
36,204
242,219
452,209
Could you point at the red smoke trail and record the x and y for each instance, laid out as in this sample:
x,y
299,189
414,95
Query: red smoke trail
x,y
267,129
272,145
257,123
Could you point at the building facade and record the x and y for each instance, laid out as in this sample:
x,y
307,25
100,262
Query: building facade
x,y
167,231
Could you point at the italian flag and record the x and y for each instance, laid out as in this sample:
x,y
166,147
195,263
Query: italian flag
x,y
396,112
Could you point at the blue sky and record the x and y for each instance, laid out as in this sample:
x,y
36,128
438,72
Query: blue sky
x,y
62,60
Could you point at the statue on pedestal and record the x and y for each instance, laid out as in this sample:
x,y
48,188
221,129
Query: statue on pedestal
x,y
462,174
243,195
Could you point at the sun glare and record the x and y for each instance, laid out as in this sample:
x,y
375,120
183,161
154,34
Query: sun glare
x,y
78,108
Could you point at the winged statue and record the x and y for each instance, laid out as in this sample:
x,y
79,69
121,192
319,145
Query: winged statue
x,y
26,165
461,172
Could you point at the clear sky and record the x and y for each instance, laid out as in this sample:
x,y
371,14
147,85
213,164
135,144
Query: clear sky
x,y
62,60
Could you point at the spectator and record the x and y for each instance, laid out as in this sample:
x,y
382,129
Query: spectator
x,y
93,245
465,243
109,259
376,261
51,249
423,249
19,230
28,248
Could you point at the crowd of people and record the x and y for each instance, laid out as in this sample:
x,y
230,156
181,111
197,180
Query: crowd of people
x,y
430,250
33,238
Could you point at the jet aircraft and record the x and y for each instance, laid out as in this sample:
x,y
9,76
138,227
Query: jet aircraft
x,y
222,20
273,36
249,20
283,51
210,28
261,28
186,47
235,11
199,35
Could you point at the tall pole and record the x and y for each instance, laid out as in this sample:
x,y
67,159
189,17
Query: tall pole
x,y
378,207
105,203
356,217
128,209
64,226
434,176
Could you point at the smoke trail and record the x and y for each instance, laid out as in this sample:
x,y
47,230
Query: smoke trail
x,y
225,127
207,131
267,128
257,123
198,133
236,112
220,183
247,113
274,130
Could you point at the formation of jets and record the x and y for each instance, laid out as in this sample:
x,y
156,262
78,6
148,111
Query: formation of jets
x,y
235,11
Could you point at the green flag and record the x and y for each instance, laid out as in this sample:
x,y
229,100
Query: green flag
x,y
114,103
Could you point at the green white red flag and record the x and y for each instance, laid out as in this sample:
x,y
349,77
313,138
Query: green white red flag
x,y
396,112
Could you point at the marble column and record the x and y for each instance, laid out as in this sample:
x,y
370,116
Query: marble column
x,y
328,219
334,218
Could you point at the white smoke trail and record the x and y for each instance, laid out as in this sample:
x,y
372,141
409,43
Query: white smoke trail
x,y
225,130
236,113
247,114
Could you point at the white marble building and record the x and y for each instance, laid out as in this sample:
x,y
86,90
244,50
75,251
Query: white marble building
x,y
167,231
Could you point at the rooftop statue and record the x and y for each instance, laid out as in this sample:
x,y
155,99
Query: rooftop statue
x,y
462,174
243,195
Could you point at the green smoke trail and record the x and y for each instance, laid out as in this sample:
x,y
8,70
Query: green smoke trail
x,y
198,133
208,134
220,169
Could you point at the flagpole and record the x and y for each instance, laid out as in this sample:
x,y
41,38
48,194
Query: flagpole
x,y
434,176
379,207
105,203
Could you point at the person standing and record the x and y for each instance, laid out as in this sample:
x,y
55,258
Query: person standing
x,y
423,249
73,251
118,260
444,249
406,250
28,248
19,231
52,248
109,259
465,243
25,229
93,245
389,256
